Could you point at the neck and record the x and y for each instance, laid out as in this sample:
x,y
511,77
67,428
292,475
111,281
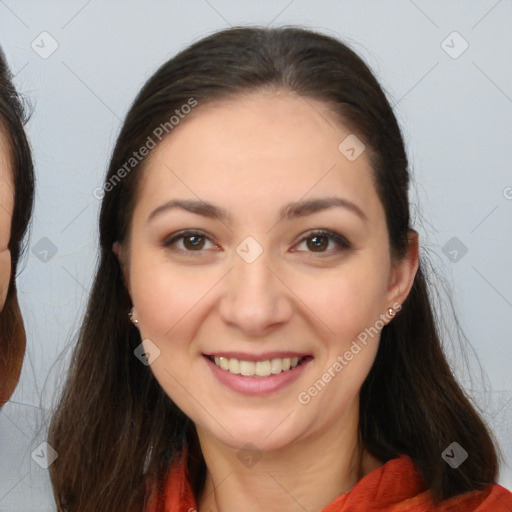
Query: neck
x,y
307,474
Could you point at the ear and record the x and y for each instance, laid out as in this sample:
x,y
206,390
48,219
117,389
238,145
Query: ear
x,y
404,271
116,247
118,251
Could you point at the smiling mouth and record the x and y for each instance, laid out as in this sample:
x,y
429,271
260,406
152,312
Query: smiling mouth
x,y
263,369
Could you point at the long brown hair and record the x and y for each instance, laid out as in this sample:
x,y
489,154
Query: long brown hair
x,y
12,332
115,428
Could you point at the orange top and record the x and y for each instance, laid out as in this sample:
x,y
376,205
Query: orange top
x,y
396,486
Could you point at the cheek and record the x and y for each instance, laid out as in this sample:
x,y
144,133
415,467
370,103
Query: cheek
x,y
165,295
350,307
158,300
349,300
349,303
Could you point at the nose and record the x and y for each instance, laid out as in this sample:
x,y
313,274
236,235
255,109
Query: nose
x,y
255,298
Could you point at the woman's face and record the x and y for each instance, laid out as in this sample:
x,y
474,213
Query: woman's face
x,y
254,285
6,209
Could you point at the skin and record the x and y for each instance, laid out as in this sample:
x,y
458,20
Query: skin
x,y
252,155
6,211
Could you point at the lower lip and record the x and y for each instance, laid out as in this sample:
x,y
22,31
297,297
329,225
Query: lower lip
x,y
257,386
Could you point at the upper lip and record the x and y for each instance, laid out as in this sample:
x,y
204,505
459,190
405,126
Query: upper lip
x,y
243,356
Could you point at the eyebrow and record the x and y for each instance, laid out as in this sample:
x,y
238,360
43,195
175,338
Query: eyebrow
x,y
289,211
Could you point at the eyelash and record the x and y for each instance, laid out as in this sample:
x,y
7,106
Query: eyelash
x,y
341,242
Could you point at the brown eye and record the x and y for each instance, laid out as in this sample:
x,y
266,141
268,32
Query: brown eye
x,y
191,241
318,241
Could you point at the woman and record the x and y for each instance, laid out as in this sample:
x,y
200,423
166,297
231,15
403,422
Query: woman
x,y
16,203
281,351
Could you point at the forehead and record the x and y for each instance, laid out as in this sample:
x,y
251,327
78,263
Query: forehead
x,y
265,146
275,125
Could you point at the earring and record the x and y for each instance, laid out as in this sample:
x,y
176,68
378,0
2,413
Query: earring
x,y
132,318
391,312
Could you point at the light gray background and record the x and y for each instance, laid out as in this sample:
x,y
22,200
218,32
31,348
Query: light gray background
x,y
456,116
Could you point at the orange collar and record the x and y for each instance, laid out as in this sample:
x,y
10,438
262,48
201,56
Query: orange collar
x,y
396,486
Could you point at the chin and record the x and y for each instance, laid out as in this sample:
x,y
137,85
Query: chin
x,y
264,433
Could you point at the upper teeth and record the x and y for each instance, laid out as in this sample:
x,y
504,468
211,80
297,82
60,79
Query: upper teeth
x,y
259,368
